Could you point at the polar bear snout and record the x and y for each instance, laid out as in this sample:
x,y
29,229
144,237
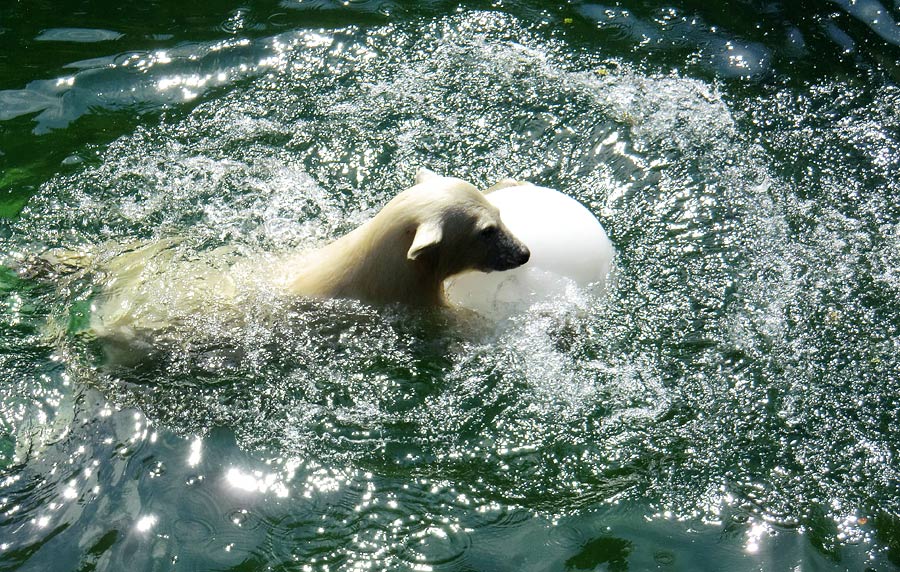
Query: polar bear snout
x,y
506,253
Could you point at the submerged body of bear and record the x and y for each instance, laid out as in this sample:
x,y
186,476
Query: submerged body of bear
x,y
438,228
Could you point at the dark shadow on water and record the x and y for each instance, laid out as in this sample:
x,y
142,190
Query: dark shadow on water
x,y
605,550
887,530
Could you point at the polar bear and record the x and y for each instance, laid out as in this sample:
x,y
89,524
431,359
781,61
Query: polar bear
x,y
438,228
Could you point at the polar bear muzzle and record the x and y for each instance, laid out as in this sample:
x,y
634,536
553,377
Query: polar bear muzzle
x,y
504,251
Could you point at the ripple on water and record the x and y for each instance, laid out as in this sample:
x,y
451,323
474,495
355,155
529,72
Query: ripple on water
x,y
673,29
80,35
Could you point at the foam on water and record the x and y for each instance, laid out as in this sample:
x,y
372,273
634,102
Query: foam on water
x,y
736,371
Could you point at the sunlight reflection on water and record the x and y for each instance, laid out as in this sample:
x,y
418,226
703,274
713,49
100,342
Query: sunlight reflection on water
x,y
701,395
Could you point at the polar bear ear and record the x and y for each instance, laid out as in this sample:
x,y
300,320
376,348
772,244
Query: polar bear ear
x,y
424,174
503,184
428,234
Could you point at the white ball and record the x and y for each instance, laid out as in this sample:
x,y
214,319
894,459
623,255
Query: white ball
x,y
568,247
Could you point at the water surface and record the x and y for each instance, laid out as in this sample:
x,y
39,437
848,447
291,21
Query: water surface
x,y
730,403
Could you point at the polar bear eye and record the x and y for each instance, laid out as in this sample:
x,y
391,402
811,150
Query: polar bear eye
x,y
489,231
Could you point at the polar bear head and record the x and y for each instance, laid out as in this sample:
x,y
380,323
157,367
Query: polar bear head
x,y
456,229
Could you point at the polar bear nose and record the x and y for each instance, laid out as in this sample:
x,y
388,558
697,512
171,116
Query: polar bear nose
x,y
524,256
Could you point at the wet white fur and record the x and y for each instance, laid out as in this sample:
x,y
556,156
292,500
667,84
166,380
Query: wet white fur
x,y
424,235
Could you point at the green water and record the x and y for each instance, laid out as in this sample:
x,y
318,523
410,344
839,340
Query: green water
x,y
731,403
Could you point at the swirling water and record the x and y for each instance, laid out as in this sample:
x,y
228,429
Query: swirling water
x,y
730,403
